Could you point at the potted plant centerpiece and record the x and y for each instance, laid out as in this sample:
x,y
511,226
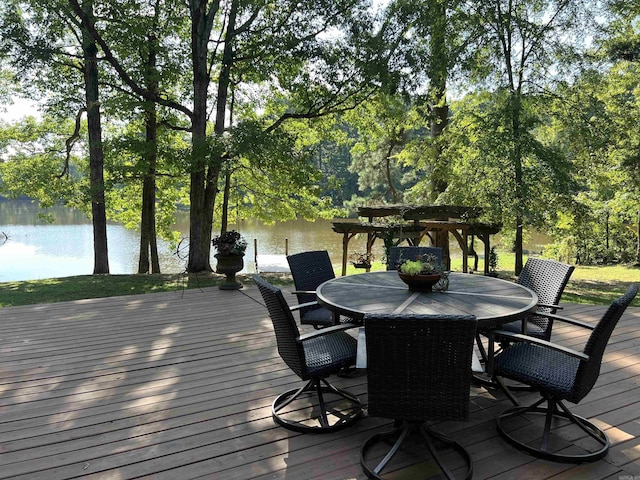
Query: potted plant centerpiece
x,y
422,273
230,247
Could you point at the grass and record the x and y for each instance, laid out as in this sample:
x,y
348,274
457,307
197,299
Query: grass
x,y
98,286
592,285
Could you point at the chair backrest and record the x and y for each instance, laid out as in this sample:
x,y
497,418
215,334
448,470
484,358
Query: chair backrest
x,y
547,278
589,370
284,325
396,254
309,270
419,366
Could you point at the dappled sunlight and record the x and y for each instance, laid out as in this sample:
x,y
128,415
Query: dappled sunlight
x,y
153,386
615,434
266,323
159,348
134,303
170,329
90,390
64,420
148,403
82,317
127,350
631,452
624,360
29,391
149,393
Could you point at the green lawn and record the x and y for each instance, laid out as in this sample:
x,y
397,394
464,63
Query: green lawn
x,y
595,285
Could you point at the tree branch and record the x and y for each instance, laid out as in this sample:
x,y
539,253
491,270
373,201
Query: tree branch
x,y
70,142
124,76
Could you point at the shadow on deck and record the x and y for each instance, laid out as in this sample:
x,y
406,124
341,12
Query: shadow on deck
x,y
179,385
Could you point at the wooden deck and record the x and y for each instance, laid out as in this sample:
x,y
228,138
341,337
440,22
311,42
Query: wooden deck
x,y
179,386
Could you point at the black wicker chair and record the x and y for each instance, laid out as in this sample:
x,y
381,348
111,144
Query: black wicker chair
x,y
309,270
418,369
396,254
548,279
313,357
559,374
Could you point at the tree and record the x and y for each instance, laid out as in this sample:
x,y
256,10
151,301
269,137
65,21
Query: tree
x,y
96,153
522,44
385,124
27,41
278,45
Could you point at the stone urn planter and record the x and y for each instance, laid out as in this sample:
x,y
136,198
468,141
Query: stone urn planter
x,y
229,265
231,247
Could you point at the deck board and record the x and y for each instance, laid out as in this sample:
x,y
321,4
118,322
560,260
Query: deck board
x,y
179,385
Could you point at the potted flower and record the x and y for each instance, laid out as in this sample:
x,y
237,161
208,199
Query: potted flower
x,y
361,260
422,273
230,247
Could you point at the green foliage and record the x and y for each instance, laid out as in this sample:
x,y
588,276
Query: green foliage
x,y
230,243
34,162
422,265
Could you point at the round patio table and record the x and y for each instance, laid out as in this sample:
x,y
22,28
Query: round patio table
x,y
493,301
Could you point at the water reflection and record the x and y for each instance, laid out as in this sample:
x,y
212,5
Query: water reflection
x,y
37,249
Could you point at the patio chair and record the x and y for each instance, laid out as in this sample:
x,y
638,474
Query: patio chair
x,y
396,254
313,357
418,369
309,270
559,374
548,279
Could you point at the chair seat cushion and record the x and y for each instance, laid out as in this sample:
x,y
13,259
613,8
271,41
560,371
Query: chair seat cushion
x,y
327,354
544,369
317,316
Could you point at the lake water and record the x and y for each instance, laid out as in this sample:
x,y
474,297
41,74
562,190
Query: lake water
x,y
36,249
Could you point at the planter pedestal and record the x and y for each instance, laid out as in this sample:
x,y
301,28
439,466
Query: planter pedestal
x,y
229,265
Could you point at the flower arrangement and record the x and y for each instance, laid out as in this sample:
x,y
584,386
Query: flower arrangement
x,y
361,259
230,243
427,264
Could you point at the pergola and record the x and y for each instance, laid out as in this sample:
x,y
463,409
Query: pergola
x,y
416,222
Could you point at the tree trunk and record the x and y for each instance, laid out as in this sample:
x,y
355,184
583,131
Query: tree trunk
x,y
225,201
638,238
222,107
148,240
96,154
438,74
199,237
516,111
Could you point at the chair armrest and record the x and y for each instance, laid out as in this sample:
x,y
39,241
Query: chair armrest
x,y
327,330
310,292
518,337
302,305
572,321
546,305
